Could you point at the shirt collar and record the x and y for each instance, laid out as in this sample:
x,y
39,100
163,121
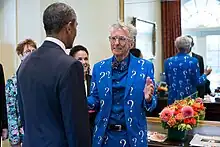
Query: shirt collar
x,y
122,65
190,54
57,41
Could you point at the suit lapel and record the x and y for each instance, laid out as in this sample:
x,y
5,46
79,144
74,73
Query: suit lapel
x,y
109,73
131,75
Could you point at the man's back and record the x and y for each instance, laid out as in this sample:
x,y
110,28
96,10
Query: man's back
x,y
182,75
47,98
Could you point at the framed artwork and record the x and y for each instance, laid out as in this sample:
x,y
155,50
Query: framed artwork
x,y
146,37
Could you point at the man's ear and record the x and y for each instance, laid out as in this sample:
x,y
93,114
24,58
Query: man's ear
x,y
68,26
132,45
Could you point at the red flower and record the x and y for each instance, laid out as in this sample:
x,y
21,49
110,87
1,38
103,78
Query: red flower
x,y
166,114
190,121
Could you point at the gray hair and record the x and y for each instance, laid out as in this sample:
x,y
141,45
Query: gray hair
x,y
132,31
182,43
56,16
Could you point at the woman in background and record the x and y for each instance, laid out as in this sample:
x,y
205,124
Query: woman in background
x,y
15,129
80,53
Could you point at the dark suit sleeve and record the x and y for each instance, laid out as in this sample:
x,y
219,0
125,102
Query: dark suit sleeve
x,y
20,102
4,122
201,65
74,107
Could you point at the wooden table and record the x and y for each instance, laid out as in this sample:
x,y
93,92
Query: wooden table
x,y
212,109
205,128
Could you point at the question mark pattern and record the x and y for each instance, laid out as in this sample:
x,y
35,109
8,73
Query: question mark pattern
x,y
106,139
142,75
108,73
180,80
130,121
99,139
106,91
141,133
105,121
135,141
102,63
123,142
142,63
93,86
102,74
133,73
131,90
102,102
130,103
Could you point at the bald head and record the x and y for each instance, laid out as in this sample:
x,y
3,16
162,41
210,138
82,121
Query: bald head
x,y
56,16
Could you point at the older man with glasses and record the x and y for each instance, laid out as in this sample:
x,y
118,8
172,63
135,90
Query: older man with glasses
x,y
122,90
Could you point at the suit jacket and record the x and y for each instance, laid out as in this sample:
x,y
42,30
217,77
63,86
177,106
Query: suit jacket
x,y
51,95
3,111
101,100
200,88
88,83
182,76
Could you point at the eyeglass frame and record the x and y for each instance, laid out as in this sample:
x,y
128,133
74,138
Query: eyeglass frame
x,y
118,38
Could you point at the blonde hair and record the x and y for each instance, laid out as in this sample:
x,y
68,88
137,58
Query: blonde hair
x,y
132,31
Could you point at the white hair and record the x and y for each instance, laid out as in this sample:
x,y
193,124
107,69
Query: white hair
x,y
132,31
183,43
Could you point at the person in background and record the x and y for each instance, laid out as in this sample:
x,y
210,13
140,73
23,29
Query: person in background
x,y
50,84
81,54
200,88
122,90
15,129
182,72
3,111
136,52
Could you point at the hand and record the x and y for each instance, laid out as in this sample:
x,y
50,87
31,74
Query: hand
x,y
148,89
4,134
208,71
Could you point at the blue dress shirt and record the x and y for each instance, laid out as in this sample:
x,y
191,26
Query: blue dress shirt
x,y
119,79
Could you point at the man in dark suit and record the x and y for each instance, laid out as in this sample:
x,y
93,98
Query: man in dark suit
x,y
201,88
3,111
51,90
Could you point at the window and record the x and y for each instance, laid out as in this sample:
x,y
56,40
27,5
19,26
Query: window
x,y
201,18
213,58
200,13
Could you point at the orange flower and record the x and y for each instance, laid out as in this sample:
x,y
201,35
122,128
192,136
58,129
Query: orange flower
x,y
195,113
171,122
179,117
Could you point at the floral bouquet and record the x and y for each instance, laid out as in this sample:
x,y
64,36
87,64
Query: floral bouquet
x,y
183,114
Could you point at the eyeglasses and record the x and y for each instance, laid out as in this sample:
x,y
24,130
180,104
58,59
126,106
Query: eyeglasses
x,y
29,51
121,39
